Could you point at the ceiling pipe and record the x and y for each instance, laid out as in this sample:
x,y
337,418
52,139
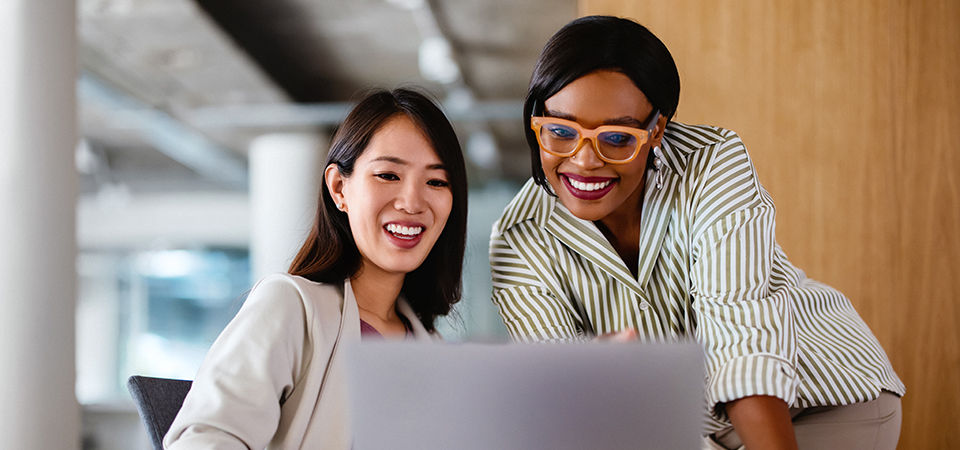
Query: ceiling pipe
x,y
438,62
290,115
166,133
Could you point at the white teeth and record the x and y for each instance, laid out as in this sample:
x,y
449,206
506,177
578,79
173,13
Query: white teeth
x,y
406,231
588,186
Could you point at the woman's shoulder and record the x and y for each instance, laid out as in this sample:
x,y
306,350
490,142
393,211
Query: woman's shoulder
x,y
281,281
293,291
694,149
283,278
695,137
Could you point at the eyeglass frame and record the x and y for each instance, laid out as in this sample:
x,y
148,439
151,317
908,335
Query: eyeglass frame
x,y
537,122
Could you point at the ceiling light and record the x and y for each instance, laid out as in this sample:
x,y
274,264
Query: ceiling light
x,y
482,149
436,61
409,5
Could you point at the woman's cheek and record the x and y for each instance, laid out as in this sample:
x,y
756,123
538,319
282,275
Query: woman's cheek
x,y
444,204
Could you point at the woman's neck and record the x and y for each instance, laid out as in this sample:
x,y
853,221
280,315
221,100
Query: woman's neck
x,y
376,293
622,228
625,239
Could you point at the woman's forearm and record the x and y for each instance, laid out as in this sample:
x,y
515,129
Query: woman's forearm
x,y
762,422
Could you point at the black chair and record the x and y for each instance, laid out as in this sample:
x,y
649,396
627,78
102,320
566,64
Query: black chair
x,y
158,401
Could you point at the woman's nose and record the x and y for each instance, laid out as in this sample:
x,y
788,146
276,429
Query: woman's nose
x,y
587,157
409,199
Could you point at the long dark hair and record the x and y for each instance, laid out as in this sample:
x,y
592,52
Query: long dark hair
x,y
330,254
596,43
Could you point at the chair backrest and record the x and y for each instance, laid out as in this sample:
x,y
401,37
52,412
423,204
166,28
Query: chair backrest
x,y
158,400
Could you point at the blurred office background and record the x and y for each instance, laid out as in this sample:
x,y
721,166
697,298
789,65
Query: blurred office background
x,y
192,162
204,127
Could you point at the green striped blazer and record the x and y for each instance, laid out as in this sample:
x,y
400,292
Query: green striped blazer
x,y
709,266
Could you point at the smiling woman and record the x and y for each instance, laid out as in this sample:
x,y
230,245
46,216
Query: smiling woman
x,y
634,225
397,196
382,260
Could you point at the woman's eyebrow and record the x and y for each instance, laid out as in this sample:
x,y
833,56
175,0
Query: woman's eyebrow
x,y
625,120
559,115
392,159
403,162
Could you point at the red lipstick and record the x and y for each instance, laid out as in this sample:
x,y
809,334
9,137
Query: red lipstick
x,y
583,194
403,240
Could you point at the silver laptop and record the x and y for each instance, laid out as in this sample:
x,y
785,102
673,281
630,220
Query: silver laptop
x,y
408,395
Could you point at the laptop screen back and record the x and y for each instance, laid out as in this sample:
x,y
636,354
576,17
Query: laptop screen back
x,y
472,396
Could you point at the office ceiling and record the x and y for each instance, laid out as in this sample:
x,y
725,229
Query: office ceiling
x,y
173,91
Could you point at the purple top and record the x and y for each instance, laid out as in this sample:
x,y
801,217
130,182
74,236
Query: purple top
x,y
367,331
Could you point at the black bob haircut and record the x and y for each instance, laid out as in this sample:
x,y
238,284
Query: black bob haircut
x,y
330,254
596,43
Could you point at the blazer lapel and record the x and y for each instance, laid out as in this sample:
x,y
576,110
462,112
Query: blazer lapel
x,y
350,317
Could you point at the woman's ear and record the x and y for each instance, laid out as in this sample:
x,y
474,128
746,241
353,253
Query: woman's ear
x,y
658,132
334,180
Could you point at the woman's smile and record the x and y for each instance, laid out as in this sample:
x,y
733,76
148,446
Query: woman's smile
x,y
404,234
587,188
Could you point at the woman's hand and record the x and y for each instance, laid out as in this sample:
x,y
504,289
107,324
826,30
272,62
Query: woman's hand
x,y
762,422
627,335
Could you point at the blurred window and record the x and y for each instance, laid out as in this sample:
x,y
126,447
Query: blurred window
x,y
152,313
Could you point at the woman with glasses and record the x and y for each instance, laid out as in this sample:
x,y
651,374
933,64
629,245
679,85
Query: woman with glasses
x,y
382,260
635,225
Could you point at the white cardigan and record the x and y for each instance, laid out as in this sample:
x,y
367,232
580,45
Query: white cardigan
x,y
275,376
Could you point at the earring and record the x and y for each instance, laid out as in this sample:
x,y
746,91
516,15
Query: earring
x,y
658,165
342,207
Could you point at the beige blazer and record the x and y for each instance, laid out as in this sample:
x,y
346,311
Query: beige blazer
x,y
274,378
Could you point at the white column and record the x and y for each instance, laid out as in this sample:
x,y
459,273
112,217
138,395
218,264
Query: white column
x,y
38,190
285,174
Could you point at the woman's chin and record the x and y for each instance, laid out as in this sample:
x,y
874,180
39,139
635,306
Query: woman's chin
x,y
585,210
401,264
588,214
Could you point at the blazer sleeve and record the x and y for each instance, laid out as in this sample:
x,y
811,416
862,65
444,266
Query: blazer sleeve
x,y
746,328
530,310
234,402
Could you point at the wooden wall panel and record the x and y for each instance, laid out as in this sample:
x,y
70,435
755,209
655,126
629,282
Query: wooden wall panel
x,y
851,111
